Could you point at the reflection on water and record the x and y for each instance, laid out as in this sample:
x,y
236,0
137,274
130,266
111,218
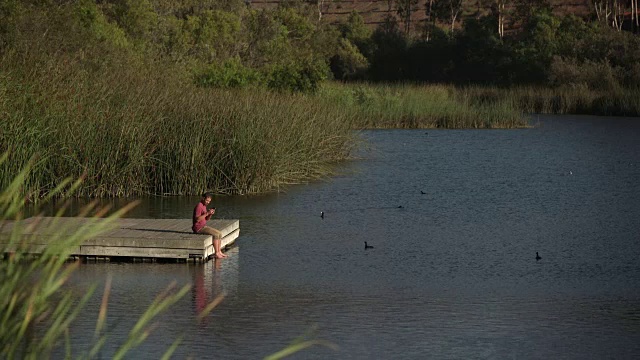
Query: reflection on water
x,y
133,288
456,218
218,277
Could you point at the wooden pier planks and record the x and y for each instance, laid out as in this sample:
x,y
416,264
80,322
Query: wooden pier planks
x,y
138,238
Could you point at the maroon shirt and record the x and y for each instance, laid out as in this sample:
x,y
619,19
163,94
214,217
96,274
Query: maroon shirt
x,y
199,210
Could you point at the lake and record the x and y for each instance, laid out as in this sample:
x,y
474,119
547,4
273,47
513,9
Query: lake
x,y
455,217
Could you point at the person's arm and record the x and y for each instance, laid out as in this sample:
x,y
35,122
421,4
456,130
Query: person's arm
x,y
203,215
210,213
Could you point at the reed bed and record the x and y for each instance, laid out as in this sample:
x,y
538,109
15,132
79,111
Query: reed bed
x,y
133,130
418,106
562,100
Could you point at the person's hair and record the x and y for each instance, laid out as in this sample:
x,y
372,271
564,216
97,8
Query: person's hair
x,y
206,195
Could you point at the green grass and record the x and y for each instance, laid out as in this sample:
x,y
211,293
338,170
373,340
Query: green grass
x,y
131,131
562,100
375,106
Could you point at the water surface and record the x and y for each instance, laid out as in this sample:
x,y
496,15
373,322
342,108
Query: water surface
x,y
456,218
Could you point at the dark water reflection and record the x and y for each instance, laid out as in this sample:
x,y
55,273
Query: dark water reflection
x,y
453,273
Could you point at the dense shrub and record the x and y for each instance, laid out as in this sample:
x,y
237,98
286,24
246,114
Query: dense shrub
x,y
348,63
594,75
299,76
231,74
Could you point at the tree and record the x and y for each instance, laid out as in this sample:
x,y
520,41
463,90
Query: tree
x,y
357,32
500,11
320,5
448,10
536,46
635,23
480,54
214,34
405,9
618,15
480,7
354,29
430,19
525,10
136,17
601,8
348,63
388,58
611,12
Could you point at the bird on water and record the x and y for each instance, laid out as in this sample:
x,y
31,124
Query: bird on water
x,y
537,256
367,246
322,214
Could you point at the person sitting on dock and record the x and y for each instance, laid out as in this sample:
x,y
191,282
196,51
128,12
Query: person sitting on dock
x,y
200,217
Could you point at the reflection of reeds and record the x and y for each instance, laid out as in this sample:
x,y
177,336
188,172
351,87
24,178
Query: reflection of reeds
x,y
418,106
133,131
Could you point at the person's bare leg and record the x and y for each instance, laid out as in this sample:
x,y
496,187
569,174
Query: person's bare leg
x,y
216,247
216,235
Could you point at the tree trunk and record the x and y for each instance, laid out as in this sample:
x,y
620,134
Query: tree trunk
x,y
429,19
481,5
634,12
618,15
637,22
407,19
501,14
455,6
602,10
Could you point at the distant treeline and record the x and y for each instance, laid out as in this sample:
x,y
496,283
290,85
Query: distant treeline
x,y
547,50
289,47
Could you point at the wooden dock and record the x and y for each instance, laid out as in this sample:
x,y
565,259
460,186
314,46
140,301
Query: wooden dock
x,y
127,238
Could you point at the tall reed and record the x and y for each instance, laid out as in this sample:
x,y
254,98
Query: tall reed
x,y
36,310
418,106
578,99
133,130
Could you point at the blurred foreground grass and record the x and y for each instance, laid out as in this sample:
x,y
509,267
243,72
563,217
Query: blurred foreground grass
x,y
37,310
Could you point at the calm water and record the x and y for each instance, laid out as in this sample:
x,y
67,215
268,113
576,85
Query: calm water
x,y
453,273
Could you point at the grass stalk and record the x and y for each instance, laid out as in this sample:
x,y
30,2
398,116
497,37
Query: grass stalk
x,y
36,310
